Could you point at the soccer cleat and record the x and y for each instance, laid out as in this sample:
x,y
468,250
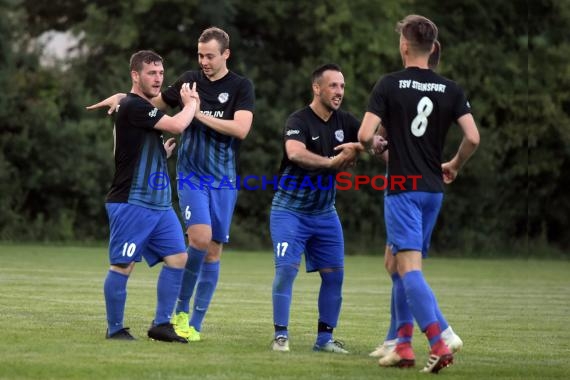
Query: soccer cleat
x,y
180,321
384,349
193,334
334,346
398,358
165,333
452,340
435,363
280,343
122,334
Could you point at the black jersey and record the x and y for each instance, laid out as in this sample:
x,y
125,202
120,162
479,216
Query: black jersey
x,y
312,191
417,107
204,151
140,158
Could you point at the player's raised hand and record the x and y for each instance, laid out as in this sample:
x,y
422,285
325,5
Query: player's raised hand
x,y
188,94
112,102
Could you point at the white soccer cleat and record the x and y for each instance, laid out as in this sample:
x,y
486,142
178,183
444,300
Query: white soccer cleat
x,y
333,346
384,348
452,340
281,343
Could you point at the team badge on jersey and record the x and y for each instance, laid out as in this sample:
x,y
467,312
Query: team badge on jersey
x,y
339,135
223,97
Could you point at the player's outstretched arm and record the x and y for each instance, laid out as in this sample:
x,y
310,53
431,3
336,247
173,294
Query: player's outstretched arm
x,y
112,102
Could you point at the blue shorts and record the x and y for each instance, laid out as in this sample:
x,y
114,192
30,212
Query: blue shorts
x,y
138,232
318,236
410,218
205,205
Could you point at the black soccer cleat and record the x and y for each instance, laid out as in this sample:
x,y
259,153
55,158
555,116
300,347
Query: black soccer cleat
x,y
165,333
122,334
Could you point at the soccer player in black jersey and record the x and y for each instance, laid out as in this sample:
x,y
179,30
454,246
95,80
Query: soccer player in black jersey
x,y
142,221
319,140
413,110
451,339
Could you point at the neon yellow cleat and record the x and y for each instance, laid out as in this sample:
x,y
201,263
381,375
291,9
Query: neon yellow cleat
x,y
180,322
193,334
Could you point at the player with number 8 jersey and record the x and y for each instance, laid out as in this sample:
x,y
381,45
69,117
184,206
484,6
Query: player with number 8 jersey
x,y
417,107
414,109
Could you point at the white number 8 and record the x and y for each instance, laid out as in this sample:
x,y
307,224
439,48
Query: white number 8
x,y
420,122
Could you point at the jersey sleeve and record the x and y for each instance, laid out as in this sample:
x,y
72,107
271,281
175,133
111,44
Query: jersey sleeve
x,y
144,115
377,104
295,130
462,106
171,95
246,97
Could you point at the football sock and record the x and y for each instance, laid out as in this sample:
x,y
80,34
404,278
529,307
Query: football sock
x,y
167,289
330,300
282,292
402,312
404,344
115,290
419,298
324,333
207,284
281,331
191,272
392,331
433,333
443,325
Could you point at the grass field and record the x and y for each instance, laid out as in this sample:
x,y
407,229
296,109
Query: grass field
x,y
513,317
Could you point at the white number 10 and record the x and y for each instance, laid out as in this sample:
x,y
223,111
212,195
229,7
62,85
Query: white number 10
x,y
420,122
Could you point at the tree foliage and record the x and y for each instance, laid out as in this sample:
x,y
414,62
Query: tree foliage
x,y
510,57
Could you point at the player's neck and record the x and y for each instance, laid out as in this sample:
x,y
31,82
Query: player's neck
x,y
421,62
320,111
136,90
219,75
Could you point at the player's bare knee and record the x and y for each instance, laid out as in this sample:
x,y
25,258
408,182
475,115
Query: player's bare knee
x,y
125,269
176,261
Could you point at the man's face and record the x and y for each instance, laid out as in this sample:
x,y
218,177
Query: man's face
x,y
330,89
150,79
211,60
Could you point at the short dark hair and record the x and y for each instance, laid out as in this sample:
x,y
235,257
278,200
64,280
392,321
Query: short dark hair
x,y
318,73
420,32
435,55
143,56
215,33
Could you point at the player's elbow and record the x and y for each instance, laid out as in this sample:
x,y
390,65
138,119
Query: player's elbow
x,y
473,138
242,132
177,128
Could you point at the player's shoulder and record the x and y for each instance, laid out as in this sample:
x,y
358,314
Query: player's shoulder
x,y
239,80
130,102
192,75
301,113
346,116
